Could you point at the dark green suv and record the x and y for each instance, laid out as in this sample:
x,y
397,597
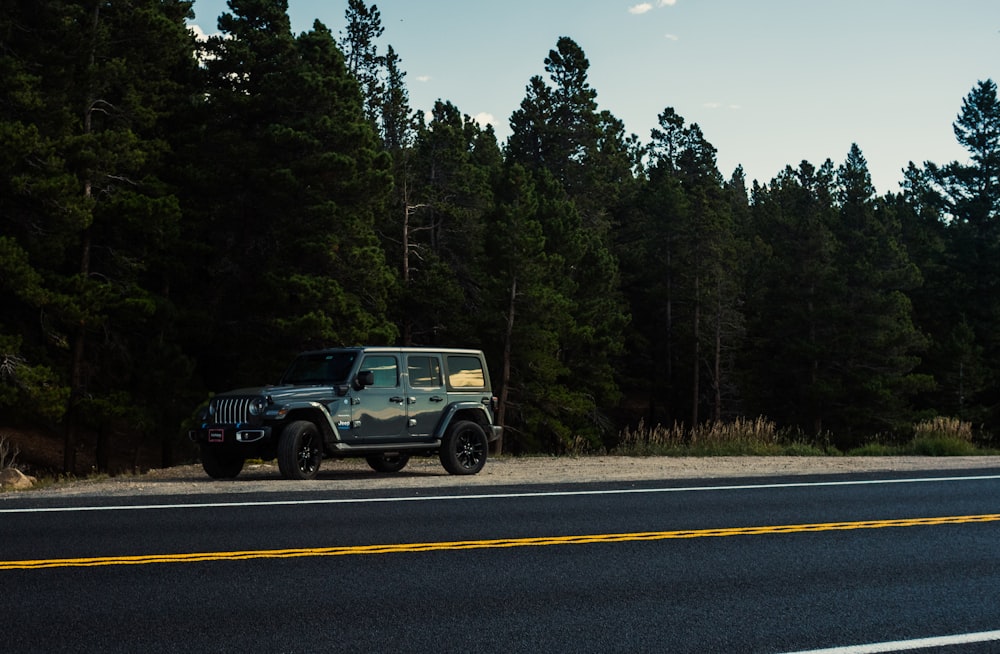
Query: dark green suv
x,y
385,404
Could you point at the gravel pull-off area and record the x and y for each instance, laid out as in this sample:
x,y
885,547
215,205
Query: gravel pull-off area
x,y
426,473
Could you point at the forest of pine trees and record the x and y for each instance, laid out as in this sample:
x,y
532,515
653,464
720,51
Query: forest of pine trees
x,y
179,218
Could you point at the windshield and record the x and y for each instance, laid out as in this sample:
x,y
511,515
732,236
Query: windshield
x,y
320,368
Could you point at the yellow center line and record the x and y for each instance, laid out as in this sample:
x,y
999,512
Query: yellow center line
x,y
355,550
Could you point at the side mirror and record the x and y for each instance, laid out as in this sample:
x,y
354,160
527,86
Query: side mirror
x,y
364,378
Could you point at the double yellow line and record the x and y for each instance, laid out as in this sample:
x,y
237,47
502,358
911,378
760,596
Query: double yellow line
x,y
199,557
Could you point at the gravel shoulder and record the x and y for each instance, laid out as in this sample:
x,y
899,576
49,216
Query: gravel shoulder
x,y
425,473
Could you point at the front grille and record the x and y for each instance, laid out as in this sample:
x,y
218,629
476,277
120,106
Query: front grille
x,y
232,410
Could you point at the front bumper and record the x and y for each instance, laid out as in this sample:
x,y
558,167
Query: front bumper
x,y
230,434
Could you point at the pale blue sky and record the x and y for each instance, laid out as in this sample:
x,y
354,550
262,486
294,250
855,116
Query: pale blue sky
x,y
770,82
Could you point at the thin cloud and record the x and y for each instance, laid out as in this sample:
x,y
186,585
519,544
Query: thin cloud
x,y
671,37
199,34
721,105
484,118
423,78
646,7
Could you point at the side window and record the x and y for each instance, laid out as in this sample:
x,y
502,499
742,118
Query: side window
x,y
465,372
425,372
386,370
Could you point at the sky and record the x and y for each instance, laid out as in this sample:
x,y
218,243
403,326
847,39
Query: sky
x,y
769,82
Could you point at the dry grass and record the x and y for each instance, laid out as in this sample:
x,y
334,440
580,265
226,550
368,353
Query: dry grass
x,y
741,436
943,427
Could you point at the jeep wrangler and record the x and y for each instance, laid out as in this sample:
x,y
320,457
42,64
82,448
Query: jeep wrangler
x,y
385,404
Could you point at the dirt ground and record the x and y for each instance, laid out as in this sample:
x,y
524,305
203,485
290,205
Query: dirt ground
x,y
427,473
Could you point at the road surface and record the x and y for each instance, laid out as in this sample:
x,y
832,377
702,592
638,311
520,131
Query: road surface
x,y
780,564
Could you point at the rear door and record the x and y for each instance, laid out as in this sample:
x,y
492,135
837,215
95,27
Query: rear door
x,y
426,394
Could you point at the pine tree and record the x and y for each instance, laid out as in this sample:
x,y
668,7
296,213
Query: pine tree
x,y
396,116
791,300
835,346
447,194
958,204
693,261
285,186
519,290
88,210
364,63
576,154
878,342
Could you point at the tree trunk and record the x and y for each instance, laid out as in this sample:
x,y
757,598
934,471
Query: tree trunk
x,y
696,377
79,338
505,367
717,385
407,327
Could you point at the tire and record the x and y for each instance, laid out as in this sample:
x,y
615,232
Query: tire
x,y
220,464
388,461
299,451
463,450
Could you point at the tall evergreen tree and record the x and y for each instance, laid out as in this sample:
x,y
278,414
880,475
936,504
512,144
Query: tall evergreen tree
x,y
953,357
792,300
966,197
447,195
396,116
519,290
87,208
702,257
574,152
878,344
286,183
360,47
832,322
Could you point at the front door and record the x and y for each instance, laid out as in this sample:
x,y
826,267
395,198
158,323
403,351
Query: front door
x,y
381,407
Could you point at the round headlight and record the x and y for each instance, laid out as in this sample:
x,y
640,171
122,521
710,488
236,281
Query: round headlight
x,y
211,409
257,406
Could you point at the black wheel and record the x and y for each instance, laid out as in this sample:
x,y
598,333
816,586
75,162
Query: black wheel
x,y
388,461
220,464
299,451
463,450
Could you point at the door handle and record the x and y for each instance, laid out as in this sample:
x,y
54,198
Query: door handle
x,y
396,399
436,398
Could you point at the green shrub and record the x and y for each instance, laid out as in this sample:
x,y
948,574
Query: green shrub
x,y
942,436
942,446
875,449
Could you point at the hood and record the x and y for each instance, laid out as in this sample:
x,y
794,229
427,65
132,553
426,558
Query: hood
x,y
283,394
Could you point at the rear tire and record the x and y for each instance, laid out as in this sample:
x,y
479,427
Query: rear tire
x,y
463,450
299,451
388,461
219,464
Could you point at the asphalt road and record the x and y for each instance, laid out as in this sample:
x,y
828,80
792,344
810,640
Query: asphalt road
x,y
738,565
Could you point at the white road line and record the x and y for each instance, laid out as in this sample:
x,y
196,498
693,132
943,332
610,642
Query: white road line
x,y
904,645
443,498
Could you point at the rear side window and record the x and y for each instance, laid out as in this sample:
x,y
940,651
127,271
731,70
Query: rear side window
x,y
465,372
424,372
